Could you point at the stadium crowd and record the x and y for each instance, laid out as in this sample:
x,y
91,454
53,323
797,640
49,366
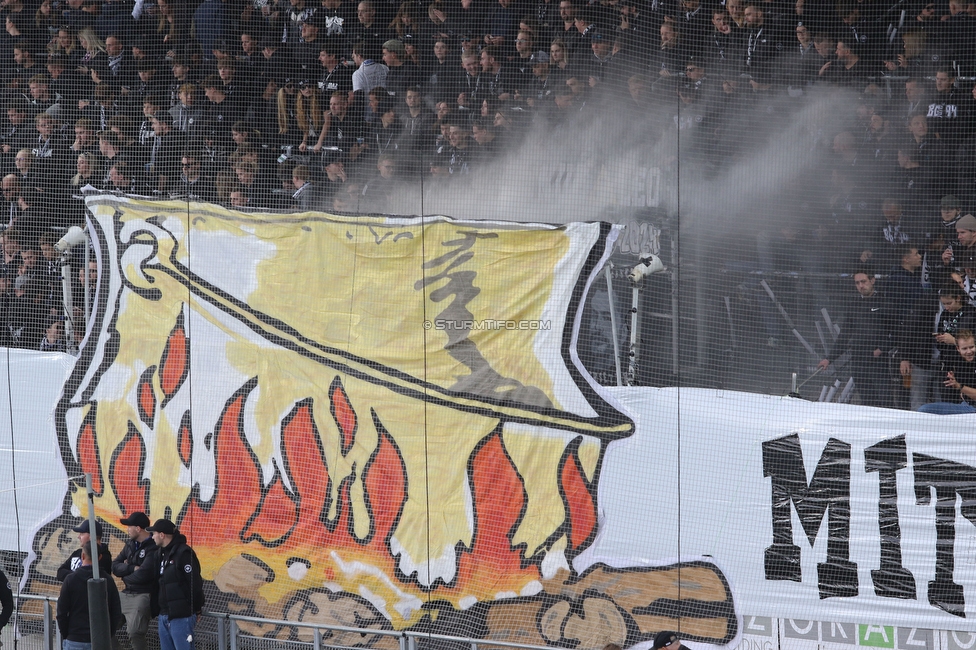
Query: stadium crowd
x,y
338,105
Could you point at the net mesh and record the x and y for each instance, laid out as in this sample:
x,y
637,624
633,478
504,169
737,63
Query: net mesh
x,y
793,183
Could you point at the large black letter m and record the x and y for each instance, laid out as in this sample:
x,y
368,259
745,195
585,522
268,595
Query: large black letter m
x,y
828,493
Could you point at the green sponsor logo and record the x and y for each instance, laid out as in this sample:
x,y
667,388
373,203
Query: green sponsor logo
x,y
876,636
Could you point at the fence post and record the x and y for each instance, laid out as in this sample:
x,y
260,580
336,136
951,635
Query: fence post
x,y
317,639
233,634
403,642
411,642
222,632
47,625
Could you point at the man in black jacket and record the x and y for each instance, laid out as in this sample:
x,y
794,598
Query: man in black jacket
x,y
6,601
869,328
73,605
138,602
74,560
175,570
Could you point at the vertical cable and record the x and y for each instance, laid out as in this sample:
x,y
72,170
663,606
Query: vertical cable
x,y
13,474
675,322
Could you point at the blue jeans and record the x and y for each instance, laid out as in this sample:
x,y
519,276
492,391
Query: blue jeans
x,y
75,645
176,633
946,408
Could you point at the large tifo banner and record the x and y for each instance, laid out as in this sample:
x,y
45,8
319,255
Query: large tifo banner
x,y
383,423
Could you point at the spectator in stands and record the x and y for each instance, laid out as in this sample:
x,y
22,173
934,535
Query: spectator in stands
x,y
959,372
868,338
53,340
401,74
307,195
186,113
89,167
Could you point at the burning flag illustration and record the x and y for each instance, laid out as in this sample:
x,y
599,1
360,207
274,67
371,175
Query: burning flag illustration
x,y
376,422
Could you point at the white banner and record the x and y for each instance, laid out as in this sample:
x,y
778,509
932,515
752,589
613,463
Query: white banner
x,y
874,510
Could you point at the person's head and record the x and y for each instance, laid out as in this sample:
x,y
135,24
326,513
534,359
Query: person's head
x,y
299,176
567,11
136,525
160,125
11,190
108,143
669,36
309,30
337,103
114,45
824,45
16,112
951,298
966,230
950,208
918,126
414,98
844,50
190,163
118,173
163,532
911,259
914,89
187,94
44,124
557,51
86,558
523,44
328,54
944,80
864,283
471,64
489,59
213,90
249,44
393,53
754,15
38,85
84,535
246,172
600,45
23,160
803,35
86,164
226,70
892,210
365,12
666,639
966,344
386,165
29,257
458,135
146,70
695,69
239,198
441,50
54,332
22,55
481,131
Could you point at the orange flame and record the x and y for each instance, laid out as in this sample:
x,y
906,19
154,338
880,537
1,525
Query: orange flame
x,y
500,500
88,455
126,470
276,515
237,483
581,513
184,439
146,397
342,413
174,364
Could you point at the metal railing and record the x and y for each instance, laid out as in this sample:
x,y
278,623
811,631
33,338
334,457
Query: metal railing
x,y
38,630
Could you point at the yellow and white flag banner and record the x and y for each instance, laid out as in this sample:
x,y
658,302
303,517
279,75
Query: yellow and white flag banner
x,y
365,420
